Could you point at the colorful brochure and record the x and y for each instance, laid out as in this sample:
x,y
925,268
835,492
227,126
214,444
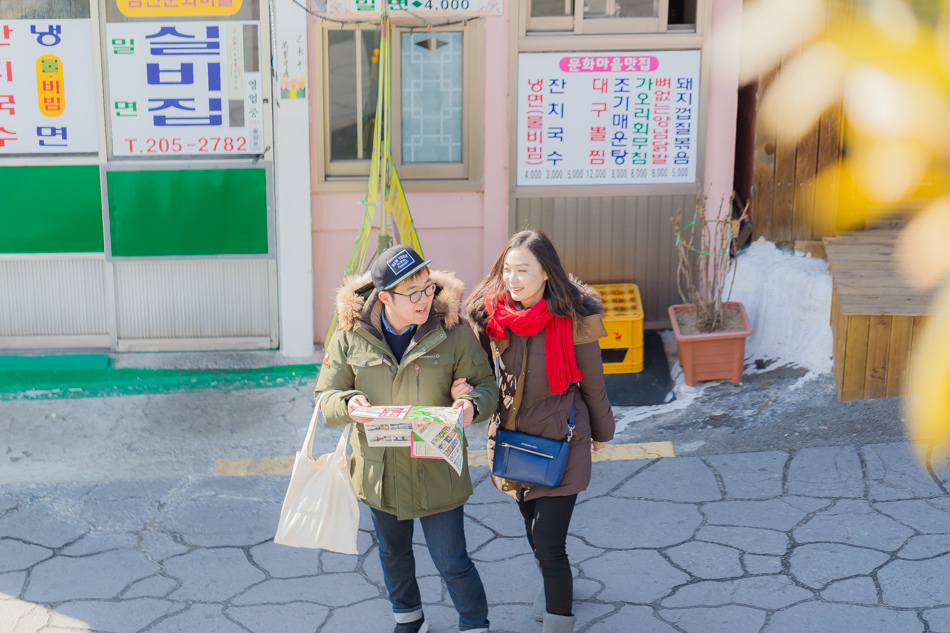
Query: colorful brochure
x,y
429,432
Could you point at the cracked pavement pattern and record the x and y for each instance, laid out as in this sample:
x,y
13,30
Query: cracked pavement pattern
x,y
835,539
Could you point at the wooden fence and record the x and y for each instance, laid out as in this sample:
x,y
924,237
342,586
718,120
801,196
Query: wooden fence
x,y
788,176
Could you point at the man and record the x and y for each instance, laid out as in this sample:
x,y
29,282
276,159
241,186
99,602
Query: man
x,y
400,340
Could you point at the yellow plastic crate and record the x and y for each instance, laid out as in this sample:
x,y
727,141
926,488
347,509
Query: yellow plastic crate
x,y
623,318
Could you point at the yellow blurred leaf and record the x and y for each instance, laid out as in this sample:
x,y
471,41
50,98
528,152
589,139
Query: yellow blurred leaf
x,y
922,252
895,20
878,102
808,86
852,207
888,169
928,383
862,43
769,29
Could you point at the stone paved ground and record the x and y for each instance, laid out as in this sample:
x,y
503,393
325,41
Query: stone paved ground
x,y
831,539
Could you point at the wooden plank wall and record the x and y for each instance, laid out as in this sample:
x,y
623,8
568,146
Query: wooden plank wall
x,y
788,176
614,240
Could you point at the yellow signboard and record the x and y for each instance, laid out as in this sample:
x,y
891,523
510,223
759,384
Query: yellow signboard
x,y
49,85
178,8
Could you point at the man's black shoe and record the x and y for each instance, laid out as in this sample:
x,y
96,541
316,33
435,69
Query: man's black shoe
x,y
419,626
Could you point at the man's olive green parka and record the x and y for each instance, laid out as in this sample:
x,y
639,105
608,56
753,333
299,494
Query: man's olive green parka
x,y
358,360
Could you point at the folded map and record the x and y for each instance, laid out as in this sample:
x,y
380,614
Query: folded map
x,y
429,432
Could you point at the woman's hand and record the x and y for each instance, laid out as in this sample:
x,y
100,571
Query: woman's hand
x,y
468,411
596,446
461,387
359,400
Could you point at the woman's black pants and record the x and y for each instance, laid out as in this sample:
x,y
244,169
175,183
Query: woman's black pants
x,y
546,521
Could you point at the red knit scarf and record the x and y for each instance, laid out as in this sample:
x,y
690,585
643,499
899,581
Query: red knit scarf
x,y
559,360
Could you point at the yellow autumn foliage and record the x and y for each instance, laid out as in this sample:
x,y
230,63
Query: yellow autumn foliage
x,y
889,68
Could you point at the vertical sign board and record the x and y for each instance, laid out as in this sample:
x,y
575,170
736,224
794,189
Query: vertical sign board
x,y
293,66
47,87
185,87
607,118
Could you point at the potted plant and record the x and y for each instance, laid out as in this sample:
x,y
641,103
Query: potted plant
x,y
710,333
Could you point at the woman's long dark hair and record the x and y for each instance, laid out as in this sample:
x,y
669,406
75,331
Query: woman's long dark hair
x,y
563,296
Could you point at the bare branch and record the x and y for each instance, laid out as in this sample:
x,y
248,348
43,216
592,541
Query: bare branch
x,y
702,251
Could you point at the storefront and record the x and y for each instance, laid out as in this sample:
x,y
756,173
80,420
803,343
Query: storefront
x,y
591,121
176,202
137,164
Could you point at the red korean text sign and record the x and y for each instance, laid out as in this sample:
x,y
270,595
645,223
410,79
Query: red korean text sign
x,y
607,118
47,87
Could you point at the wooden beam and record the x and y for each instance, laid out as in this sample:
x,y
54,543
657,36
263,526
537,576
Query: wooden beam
x,y
855,358
900,346
879,337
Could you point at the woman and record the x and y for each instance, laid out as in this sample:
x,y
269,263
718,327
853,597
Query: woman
x,y
542,327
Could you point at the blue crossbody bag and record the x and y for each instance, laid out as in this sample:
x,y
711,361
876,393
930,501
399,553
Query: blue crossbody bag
x,y
530,459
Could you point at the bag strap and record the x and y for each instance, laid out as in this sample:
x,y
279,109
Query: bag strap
x,y
307,448
344,441
495,355
510,423
570,423
519,391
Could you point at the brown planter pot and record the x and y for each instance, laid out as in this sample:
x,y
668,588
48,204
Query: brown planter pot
x,y
714,356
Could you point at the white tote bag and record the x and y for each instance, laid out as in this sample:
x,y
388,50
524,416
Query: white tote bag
x,y
320,510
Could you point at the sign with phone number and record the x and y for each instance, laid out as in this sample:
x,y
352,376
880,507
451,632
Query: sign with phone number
x,y
185,88
604,118
201,145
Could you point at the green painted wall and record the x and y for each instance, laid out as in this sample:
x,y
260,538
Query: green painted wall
x,y
188,212
50,209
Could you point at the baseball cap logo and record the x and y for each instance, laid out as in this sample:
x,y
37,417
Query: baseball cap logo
x,y
402,261
393,265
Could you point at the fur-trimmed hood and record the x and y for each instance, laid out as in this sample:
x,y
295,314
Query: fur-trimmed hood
x,y
357,298
589,297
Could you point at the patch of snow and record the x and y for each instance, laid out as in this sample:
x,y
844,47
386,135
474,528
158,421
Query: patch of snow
x,y
788,299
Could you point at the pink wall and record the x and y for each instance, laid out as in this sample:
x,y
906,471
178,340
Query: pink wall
x,y
722,104
450,227
460,231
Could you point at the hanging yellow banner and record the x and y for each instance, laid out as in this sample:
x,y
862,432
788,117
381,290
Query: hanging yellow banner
x,y
384,191
397,206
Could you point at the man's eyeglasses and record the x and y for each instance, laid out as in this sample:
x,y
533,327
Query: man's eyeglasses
x,y
416,297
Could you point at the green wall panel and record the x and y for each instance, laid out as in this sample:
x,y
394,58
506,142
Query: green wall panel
x,y
50,209
188,212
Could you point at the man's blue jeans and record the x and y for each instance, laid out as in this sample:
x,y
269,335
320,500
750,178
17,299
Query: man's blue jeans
x,y
445,538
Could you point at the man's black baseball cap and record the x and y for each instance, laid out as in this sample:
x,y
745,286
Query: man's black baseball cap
x,y
394,265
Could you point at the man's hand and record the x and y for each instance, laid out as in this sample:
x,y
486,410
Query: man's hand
x,y
468,411
460,388
359,400
596,446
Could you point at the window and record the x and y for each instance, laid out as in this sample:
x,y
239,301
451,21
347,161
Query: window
x,y
353,58
431,101
431,96
611,16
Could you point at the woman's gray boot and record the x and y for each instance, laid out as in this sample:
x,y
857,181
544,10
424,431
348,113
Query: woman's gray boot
x,y
558,623
540,604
